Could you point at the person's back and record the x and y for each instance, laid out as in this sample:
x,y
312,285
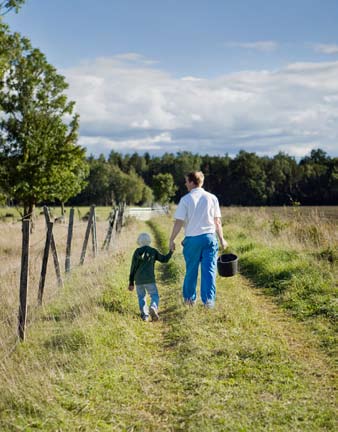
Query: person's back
x,y
200,212
144,259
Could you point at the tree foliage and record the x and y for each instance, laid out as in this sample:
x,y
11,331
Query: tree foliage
x,y
38,130
164,188
108,184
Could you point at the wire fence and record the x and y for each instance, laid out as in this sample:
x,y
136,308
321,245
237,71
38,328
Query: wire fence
x,y
62,246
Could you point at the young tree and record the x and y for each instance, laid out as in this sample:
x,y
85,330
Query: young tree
x,y
38,131
164,188
147,196
128,188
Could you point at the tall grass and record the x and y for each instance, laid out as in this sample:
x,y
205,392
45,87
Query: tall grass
x,y
91,364
10,258
293,258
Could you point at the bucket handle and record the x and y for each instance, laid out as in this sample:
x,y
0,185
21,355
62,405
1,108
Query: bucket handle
x,y
223,262
220,259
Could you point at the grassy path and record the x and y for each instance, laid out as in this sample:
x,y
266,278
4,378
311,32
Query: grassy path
x,y
243,366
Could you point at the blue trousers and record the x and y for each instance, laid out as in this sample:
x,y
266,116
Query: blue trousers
x,y
202,250
142,291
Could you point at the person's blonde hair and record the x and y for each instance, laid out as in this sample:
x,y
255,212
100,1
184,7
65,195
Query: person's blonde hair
x,y
197,177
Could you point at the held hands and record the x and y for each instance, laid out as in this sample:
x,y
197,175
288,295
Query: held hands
x,y
131,287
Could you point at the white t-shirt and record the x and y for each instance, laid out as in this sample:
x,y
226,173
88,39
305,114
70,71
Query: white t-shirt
x,y
198,209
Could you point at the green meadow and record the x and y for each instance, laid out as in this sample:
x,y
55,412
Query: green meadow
x,y
262,360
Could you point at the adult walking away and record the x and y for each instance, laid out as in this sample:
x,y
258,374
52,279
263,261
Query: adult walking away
x,y
198,211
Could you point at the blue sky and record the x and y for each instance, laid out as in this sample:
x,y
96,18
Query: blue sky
x,y
210,76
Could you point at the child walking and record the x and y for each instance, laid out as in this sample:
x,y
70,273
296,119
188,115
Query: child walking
x,y
142,272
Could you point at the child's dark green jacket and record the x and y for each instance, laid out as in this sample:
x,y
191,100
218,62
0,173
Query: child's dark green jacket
x,y
143,264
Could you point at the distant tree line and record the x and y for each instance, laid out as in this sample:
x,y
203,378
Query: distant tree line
x,y
246,179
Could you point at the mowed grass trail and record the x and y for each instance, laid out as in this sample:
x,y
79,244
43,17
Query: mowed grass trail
x,y
90,363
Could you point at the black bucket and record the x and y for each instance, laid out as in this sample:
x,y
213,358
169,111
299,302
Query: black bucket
x,y
227,265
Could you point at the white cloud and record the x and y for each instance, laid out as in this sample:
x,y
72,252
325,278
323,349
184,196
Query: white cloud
x,y
326,48
265,46
94,143
131,106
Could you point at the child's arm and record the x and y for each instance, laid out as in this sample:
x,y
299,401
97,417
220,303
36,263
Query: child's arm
x,y
163,258
132,273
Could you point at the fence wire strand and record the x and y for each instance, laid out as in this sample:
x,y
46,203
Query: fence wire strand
x,y
53,289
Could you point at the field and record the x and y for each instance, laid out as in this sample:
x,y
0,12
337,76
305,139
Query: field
x,y
10,256
263,360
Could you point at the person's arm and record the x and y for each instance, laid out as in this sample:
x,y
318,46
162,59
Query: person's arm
x,y
132,273
219,232
163,258
176,229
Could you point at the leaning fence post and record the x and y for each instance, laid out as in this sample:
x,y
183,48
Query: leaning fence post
x,y
116,220
111,227
24,279
56,261
54,251
45,261
69,240
85,242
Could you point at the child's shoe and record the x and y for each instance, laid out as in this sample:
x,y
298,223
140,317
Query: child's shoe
x,y
145,317
153,313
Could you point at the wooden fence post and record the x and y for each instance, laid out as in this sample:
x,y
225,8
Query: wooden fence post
x,y
54,251
85,242
69,240
94,238
124,206
24,279
111,229
121,217
45,261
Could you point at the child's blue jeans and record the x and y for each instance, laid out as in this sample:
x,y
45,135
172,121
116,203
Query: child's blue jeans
x,y
142,291
202,250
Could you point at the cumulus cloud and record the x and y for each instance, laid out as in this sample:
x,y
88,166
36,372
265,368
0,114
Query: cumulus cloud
x,y
326,48
148,143
126,104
